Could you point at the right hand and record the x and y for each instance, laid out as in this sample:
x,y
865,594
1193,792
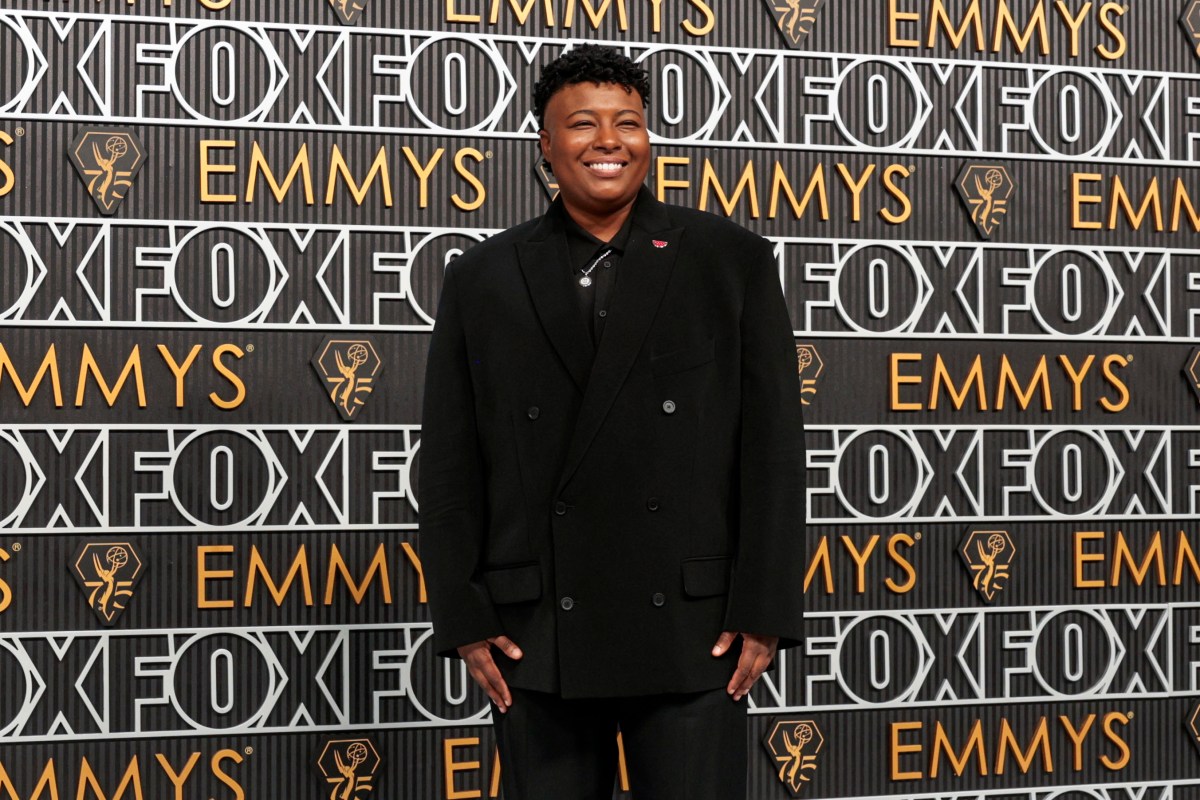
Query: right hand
x,y
482,668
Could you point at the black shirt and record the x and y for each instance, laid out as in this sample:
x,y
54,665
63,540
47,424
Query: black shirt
x,y
584,249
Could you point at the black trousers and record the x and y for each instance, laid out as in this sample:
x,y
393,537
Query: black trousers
x,y
676,746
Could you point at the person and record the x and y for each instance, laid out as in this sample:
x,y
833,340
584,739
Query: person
x,y
612,466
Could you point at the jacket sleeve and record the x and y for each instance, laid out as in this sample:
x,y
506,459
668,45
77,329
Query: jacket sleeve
x,y
451,491
767,587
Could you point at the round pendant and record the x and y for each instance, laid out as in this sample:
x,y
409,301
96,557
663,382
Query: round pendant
x,y
585,281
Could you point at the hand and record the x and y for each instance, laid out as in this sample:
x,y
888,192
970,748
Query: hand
x,y
482,668
757,654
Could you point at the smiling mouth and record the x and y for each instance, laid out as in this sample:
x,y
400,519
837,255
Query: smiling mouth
x,y
607,167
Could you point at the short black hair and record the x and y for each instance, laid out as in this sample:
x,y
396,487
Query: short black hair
x,y
589,63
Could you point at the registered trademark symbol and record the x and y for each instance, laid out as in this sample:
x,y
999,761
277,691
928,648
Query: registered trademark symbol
x,y
912,168
1129,358
249,751
20,131
16,548
249,348
488,154
917,536
1130,716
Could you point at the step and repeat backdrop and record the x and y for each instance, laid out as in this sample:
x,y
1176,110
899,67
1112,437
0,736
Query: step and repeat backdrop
x,y
223,225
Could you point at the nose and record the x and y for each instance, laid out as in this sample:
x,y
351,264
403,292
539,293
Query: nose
x,y
606,137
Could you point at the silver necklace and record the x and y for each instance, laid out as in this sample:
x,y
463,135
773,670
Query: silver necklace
x,y
586,280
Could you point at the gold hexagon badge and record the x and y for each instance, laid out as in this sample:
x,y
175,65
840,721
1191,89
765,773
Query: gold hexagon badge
x,y
107,572
1193,726
349,767
546,179
349,11
107,161
1192,371
988,556
985,189
811,367
349,369
1190,20
795,18
793,745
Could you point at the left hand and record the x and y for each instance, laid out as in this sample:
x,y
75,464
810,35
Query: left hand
x,y
757,654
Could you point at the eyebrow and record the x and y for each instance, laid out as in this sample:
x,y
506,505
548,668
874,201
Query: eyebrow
x,y
592,112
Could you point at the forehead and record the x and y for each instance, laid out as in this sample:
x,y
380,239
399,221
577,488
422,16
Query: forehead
x,y
610,97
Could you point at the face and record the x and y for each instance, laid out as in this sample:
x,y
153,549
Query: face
x,y
596,141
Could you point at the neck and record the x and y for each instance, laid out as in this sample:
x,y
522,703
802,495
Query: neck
x,y
603,226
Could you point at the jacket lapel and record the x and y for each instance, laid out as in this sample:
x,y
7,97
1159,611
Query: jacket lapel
x,y
543,261
644,272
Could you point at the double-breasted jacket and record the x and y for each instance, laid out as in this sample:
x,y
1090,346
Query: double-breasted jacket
x,y
613,508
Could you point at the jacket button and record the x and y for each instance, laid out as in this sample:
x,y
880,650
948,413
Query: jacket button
x,y
652,504
669,407
567,603
658,599
534,412
560,508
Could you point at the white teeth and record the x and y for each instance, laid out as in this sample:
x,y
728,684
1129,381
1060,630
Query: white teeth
x,y
606,167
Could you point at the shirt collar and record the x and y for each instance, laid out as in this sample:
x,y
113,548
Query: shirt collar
x,y
576,232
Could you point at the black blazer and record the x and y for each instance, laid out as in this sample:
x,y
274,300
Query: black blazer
x,y
612,511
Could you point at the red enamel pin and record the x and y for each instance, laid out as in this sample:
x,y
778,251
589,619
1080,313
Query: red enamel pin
x,y
660,244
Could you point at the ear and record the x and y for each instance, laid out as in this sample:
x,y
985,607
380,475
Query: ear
x,y
544,141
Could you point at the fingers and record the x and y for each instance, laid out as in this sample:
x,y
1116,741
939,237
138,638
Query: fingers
x,y
507,646
723,643
757,654
483,670
750,667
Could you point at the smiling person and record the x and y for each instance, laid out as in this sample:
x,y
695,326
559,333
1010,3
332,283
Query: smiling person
x,y
612,468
